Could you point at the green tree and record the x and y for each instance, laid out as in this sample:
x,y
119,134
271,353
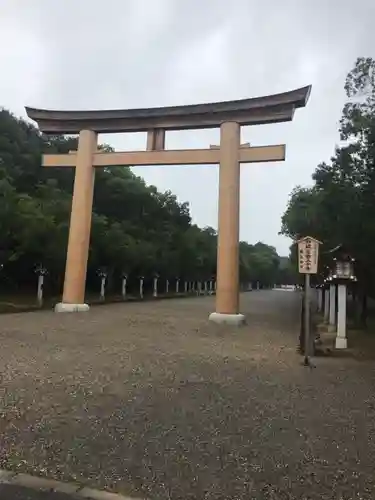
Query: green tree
x,y
339,207
135,227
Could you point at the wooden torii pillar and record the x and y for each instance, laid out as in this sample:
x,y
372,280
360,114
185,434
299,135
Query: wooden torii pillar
x,y
229,116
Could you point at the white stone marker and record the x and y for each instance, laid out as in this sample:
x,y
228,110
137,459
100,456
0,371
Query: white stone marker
x,y
320,300
102,287
341,340
40,289
326,305
123,287
332,305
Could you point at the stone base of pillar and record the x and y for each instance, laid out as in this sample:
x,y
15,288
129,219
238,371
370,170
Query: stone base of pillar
x,y
227,319
341,343
62,307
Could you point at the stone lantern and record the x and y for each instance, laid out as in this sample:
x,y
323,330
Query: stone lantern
x,y
103,274
41,272
156,277
342,272
141,282
124,280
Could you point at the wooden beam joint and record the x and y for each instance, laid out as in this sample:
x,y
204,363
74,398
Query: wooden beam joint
x,y
244,145
156,140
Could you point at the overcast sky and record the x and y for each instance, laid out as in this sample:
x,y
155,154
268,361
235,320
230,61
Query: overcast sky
x,y
88,54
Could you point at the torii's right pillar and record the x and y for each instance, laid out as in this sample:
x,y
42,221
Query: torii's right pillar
x,y
227,291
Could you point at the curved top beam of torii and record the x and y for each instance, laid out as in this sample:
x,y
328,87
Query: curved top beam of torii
x,y
256,111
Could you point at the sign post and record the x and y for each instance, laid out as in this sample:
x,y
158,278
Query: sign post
x,y
308,254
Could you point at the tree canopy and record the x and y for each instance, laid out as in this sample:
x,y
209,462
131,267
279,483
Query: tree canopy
x,y
338,208
136,229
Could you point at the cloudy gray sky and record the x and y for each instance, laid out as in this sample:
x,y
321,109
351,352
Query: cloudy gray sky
x,y
143,53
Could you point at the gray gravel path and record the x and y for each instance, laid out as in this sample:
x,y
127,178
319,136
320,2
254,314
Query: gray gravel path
x,y
9,492
152,401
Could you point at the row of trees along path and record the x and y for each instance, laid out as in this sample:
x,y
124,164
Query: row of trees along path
x,y
339,207
136,230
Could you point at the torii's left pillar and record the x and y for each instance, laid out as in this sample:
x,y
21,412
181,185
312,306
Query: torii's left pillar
x,y
80,226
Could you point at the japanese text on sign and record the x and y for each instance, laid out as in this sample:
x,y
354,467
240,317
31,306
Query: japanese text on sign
x,y
308,250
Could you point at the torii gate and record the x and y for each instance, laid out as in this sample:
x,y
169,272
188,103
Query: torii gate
x,y
229,116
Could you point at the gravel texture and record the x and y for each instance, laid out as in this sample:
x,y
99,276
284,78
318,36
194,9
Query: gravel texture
x,y
151,400
9,492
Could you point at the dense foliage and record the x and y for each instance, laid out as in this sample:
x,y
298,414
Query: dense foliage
x,y
339,208
135,228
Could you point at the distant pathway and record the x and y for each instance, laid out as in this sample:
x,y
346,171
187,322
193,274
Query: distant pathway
x,y
152,401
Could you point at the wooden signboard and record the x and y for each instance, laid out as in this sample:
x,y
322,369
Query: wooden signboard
x,y
308,254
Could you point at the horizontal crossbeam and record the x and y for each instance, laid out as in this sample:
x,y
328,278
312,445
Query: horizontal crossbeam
x,y
258,154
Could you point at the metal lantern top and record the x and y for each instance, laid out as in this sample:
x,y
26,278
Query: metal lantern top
x,y
40,270
342,269
102,272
